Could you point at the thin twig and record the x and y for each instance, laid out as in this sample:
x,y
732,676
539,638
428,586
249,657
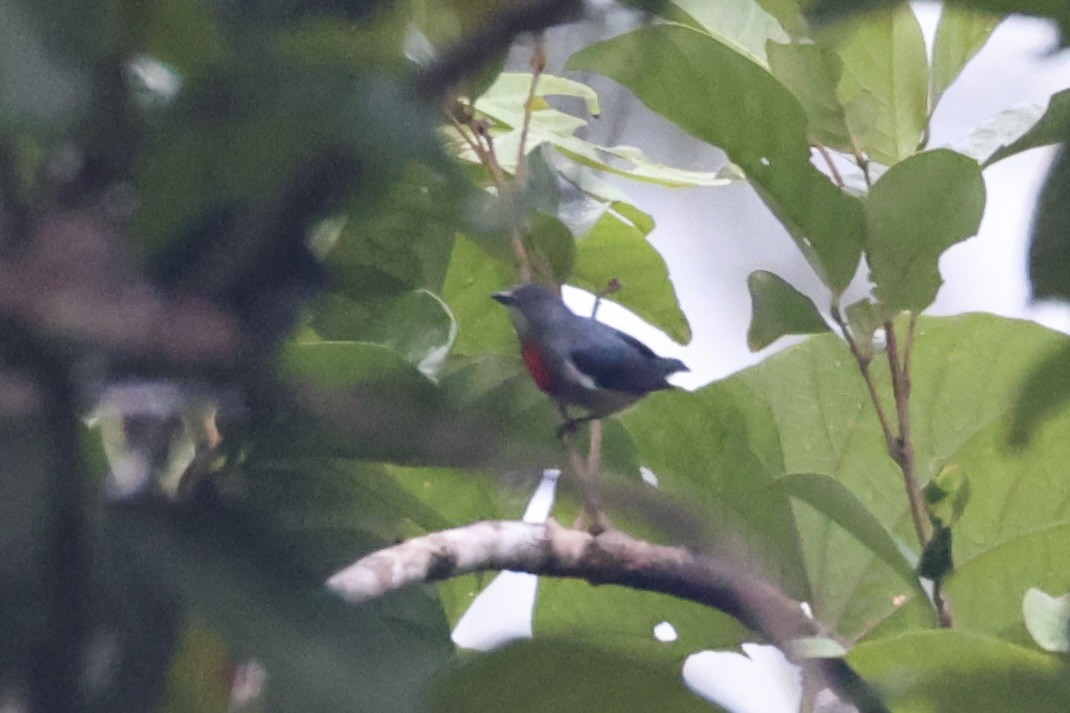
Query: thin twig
x,y
491,157
862,161
592,513
902,450
832,166
871,386
594,452
487,156
538,64
468,139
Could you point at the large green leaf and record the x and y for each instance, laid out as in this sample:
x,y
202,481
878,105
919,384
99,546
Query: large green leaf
x,y
829,497
623,620
885,84
826,11
812,73
675,70
198,161
741,24
726,472
566,677
1014,533
960,35
957,672
403,241
915,212
416,325
967,372
473,276
616,248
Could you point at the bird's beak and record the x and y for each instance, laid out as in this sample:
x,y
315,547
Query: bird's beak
x,y
505,297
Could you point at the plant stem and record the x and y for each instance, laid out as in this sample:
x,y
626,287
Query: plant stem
x,y
486,155
538,64
863,366
591,515
902,447
832,166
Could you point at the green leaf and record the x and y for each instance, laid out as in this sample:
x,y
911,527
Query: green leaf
x,y
812,72
198,161
567,677
788,13
348,364
959,672
885,84
473,276
623,620
616,247
741,24
909,223
417,325
1051,128
1049,250
966,375
1048,620
759,124
830,498
551,245
718,450
960,34
184,34
779,309
825,11
1044,391
504,103
243,582
403,241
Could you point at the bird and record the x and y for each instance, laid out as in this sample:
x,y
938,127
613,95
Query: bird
x,y
579,361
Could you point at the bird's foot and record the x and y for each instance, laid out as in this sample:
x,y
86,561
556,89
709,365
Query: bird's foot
x,y
571,425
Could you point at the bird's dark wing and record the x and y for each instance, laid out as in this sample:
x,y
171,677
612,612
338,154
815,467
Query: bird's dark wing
x,y
619,368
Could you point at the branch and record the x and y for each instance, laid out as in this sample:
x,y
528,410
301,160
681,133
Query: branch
x,y
471,53
903,450
611,557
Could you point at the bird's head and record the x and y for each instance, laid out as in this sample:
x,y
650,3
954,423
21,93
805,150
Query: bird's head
x,y
530,303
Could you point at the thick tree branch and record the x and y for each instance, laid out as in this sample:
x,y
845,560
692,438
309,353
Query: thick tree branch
x,y
611,557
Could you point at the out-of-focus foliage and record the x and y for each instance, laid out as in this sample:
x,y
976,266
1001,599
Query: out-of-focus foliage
x,y
269,164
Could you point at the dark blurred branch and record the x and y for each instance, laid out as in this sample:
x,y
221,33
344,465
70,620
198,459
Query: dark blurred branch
x,y
611,557
55,661
471,53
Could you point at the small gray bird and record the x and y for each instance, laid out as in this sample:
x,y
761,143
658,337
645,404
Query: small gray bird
x,y
578,360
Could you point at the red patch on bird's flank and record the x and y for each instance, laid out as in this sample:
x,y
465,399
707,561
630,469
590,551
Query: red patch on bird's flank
x,y
536,365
